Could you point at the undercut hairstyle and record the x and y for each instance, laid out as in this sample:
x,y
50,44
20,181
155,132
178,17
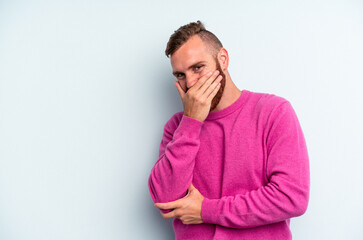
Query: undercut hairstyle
x,y
184,33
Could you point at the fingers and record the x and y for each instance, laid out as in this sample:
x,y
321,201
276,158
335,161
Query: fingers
x,y
213,88
202,80
214,92
168,205
208,82
180,90
204,86
164,206
168,215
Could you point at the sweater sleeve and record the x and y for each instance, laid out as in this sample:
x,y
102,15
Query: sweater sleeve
x,y
286,193
173,171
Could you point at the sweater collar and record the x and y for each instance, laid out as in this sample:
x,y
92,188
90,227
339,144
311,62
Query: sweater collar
x,y
231,108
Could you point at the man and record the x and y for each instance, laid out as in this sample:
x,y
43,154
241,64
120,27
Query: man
x,y
233,164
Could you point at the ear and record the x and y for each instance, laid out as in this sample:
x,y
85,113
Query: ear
x,y
223,58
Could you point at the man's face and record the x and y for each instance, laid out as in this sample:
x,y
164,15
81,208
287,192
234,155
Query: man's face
x,y
193,60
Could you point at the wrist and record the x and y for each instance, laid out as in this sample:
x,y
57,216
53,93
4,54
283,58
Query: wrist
x,y
193,117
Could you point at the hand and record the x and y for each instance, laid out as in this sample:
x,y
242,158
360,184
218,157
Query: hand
x,y
188,209
198,99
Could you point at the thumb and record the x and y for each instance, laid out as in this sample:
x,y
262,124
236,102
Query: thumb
x,y
180,90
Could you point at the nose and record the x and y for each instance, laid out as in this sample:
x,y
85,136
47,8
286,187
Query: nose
x,y
191,79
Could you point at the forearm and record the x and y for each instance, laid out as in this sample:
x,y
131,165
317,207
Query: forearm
x,y
268,204
173,172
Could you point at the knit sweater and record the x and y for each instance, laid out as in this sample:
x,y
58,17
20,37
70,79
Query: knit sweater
x,y
250,162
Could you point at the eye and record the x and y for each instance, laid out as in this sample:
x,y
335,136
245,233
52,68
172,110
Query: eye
x,y
198,68
179,75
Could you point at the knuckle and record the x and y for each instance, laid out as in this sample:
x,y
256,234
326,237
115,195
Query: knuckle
x,y
178,213
185,221
198,100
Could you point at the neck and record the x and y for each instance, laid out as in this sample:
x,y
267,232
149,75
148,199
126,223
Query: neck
x,y
230,94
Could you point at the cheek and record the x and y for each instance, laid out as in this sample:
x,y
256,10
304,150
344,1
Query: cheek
x,y
204,72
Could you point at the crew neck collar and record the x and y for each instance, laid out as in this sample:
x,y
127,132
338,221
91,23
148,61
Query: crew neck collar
x,y
231,108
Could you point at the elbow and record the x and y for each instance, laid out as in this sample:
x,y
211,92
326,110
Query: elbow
x,y
301,209
300,204
154,195
152,190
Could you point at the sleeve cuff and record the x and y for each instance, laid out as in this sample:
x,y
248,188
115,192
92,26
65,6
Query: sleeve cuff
x,y
189,127
209,211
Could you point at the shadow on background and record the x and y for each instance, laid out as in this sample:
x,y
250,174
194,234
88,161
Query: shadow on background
x,y
167,102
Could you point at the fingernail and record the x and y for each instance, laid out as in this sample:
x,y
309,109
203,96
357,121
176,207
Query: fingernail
x,y
216,72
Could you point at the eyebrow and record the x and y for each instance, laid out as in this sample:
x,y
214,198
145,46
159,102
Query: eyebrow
x,y
192,66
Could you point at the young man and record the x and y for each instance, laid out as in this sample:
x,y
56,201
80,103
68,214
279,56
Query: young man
x,y
233,164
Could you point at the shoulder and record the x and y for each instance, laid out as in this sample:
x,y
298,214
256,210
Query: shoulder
x,y
172,124
267,101
274,110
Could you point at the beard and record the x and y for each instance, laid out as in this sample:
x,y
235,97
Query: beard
x,y
218,96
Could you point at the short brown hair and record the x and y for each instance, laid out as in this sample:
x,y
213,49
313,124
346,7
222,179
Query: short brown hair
x,y
184,33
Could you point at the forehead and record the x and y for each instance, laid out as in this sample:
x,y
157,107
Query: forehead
x,y
194,50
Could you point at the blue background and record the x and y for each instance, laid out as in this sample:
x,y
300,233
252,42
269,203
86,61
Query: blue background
x,y
85,90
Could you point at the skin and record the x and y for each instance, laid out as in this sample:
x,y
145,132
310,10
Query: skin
x,y
196,68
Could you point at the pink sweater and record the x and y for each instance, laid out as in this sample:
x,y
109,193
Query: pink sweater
x,y
249,161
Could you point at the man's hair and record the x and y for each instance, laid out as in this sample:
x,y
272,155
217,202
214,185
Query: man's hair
x,y
184,33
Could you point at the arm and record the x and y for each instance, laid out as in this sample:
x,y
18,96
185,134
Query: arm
x,y
287,192
172,174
